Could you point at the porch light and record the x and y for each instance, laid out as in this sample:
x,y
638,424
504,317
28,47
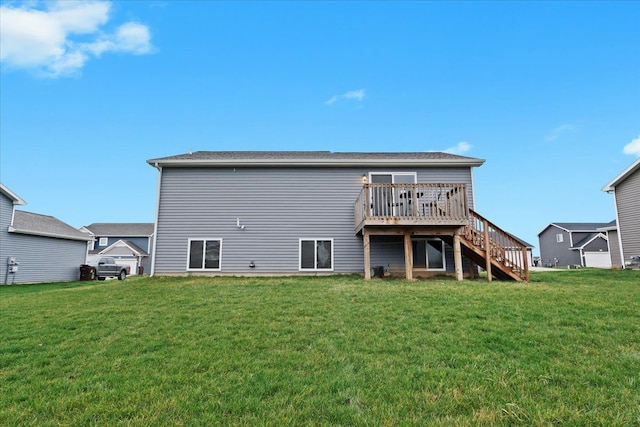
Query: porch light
x,y
364,178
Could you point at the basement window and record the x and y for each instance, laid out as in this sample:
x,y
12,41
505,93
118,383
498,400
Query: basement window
x,y
204,254
316,254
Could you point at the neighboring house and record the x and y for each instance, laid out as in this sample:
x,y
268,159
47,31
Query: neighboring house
x,y
36,248
564,244
129,243
322,212
626,197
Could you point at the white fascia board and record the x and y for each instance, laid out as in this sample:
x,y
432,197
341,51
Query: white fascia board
x,y
554,225
611,186
319,162
45,234
597,236
13,196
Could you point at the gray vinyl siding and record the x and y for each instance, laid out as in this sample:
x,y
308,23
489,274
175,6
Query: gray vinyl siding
x,y
277,207
614,248
597,245
45,259
627,195
41,259
550,249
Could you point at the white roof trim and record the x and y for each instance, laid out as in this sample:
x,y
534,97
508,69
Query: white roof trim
x,y
317,162
597,236
10,194
611,186
45,234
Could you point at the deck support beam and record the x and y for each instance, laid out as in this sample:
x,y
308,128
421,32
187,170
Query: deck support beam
x,y
408,256
366,242
487,248
457,257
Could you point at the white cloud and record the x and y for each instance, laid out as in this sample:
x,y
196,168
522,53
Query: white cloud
x,y
357,95
44,40
633,147
460,148
559,131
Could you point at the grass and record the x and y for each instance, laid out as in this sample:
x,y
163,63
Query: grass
x,y
563,349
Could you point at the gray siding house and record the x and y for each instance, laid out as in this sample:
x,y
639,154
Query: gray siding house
x,y
564,244
44,248
316,213
129,243
626,197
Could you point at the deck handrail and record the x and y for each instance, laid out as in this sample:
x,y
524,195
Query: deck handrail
x,y
427,202
503,247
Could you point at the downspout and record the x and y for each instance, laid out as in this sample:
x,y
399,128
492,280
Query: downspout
x,y
155,226
615,207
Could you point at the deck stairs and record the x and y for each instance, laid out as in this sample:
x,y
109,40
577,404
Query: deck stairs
x,y
481,240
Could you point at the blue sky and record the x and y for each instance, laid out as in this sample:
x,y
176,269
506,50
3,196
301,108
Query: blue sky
x,y
547,92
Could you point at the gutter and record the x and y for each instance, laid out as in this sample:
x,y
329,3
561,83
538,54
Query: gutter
x,y
46,234
318,162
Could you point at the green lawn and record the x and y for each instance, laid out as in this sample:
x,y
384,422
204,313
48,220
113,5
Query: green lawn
x,y
561,350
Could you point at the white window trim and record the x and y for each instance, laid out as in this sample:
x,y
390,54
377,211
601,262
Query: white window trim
x,y
559,238
444,254
204,239
103,239
315,240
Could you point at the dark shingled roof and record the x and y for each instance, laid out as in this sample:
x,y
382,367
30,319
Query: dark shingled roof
x,y
131,229
313,157
44,225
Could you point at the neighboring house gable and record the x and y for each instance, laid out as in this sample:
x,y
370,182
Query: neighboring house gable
x,y
563,243
45,248
626,196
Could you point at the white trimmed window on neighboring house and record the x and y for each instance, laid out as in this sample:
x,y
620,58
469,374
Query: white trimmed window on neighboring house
x,y
104,241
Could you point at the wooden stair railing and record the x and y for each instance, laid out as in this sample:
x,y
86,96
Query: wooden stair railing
x,y
503,251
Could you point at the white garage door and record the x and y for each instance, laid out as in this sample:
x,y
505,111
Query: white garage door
x,y
597,259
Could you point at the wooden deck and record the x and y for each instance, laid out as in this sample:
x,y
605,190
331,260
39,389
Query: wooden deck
x,y
411,205
437,210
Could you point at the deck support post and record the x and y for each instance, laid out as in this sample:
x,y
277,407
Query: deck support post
x,y
408,256
367,254
487,248
457,257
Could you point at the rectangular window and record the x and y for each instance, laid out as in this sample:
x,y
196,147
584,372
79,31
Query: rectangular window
x,y
428,254
103,241
559,238
204,254
316,254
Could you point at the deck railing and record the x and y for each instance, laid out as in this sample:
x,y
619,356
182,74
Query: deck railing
x,y
424,203
502,247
